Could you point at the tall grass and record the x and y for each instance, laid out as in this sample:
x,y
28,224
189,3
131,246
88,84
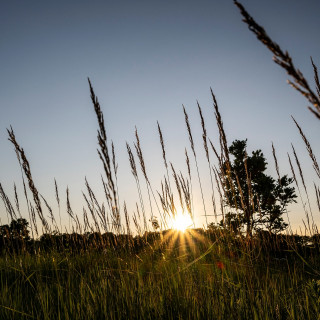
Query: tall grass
x,y
118,264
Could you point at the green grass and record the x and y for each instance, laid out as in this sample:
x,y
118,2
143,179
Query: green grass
x,y
170,282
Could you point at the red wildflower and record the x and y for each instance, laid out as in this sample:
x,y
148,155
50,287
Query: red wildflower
x,y
220,265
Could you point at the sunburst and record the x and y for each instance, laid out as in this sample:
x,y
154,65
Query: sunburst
x,y
181,221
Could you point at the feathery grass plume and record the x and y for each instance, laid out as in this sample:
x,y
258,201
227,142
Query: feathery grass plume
x,y
279,178
221,176
218,184
135,175
127,219
216,154
317,190
190,177
115,165
222,133
86,223
33,218
51,215
175,177
7,204
91,210
25,194
308,146
276,162
302,178
164,153
316,77
284,60
163,199
143,169
169,197
16,199
167,202
58,201
27,172
140,156
99,210
298,187
196,161
70,211
251,197
105,158
224,158
184,183
205,145
115,168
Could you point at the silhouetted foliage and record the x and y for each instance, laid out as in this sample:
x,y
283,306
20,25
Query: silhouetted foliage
x,y
260,200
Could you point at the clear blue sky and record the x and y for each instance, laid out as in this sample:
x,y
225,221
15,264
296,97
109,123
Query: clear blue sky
x,y
146,59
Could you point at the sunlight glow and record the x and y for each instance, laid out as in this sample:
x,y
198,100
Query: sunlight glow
x,y
181,221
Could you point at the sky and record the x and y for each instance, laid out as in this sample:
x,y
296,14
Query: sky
x,y
145,59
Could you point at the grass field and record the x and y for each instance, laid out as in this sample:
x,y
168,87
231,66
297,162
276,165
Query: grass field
x,y
127,265
206,279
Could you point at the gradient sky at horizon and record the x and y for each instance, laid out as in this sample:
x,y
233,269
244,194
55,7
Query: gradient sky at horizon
x,y
145,59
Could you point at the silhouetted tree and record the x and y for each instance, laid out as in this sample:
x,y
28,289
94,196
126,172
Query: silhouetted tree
x,y
259,199
19,229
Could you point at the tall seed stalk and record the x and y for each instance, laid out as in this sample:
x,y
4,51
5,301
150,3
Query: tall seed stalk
x,y
196,161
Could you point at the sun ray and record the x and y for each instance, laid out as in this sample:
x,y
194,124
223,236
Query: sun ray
x,y
181,221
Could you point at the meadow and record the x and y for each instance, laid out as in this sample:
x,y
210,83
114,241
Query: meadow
x,y
118,264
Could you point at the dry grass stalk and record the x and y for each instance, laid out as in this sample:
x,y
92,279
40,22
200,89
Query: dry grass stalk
x,y
205,145
298,187
51,215
16,200
302,178
176,180
135,174
276,162
27,172
184,183
164,153
58,201
308,146
190,177
317,195
33,218
127,219
91,210
140,156
285,61
218,184
110,186
196,161
316,77
162,146
166,199
224,159
7,203
99,210
223,137
115,168
216,154
249,211
279,178
143,169
86,223
71,213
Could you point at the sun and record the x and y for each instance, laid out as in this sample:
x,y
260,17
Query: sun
x,y
181,221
